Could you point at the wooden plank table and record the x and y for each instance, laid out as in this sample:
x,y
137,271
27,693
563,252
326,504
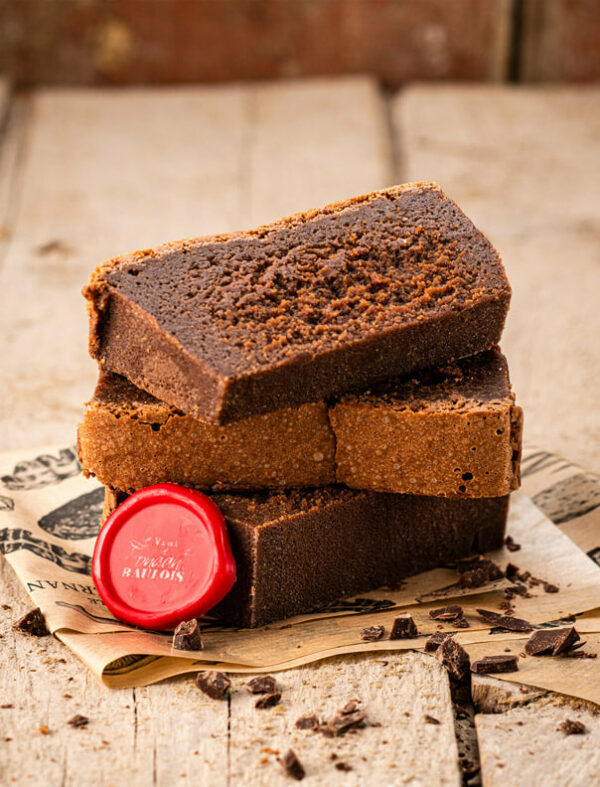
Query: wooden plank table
x,y
89,174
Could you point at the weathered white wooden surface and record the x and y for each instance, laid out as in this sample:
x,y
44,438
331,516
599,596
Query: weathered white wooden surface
x,y
519,739
98,173
524,164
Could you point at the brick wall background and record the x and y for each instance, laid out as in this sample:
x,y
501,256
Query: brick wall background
x,y
176,41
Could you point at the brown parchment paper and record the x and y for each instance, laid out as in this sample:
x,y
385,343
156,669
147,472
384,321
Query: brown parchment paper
x,y
49,518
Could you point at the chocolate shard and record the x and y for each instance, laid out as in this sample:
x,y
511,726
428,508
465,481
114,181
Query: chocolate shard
x,y
372,633
33,624
292,765
214,684
511,545
309,722
478,571
263,684
435,640
452,612
455,658
461,623
490,664
343,722
268,700
512,572
570,727
343,766
350,707
551,641
550,588
506,622
79,721
431,719
187,636
404,627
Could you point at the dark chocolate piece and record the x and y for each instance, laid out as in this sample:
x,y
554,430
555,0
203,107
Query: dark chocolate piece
x,y
292,765
350,707
504,621
461,623
214,684
187,636
343,722
32,624
305,308
489,664
263,684
79,721
310,722
435,640
452,612
268,700
511,545
550,588
404,627
372,633
455,658
551,641
431,719
343,766
570,727
320,537
478,571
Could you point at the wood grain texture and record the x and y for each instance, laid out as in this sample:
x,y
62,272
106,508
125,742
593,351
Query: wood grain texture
x,y
560,41
520,742
155,42
523,164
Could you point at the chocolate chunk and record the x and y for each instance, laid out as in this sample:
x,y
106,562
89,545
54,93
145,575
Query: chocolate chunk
x,y
268,700
551,641
214,684
461,623
32,624
343,766
550,588
292,765
263,684
503,663
344,722
570,727
478,571
455,658
435,640
187,636
431,719
403,627
446,613
309,722
512,572
504,621
79,721
511,545
372,633
349,707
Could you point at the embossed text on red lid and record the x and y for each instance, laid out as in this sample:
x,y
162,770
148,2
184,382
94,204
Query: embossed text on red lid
x,y
163,556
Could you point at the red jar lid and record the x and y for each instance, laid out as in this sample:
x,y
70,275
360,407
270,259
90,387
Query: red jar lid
x,y
163,556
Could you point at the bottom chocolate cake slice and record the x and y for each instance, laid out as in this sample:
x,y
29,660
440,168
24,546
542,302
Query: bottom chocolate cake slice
x,y
299,549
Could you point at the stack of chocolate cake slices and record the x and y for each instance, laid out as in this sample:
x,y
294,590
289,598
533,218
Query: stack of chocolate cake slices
x,y
331,380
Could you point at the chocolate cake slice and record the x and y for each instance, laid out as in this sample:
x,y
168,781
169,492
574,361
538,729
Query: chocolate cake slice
x,y
298,550
453,431
129,439
309,307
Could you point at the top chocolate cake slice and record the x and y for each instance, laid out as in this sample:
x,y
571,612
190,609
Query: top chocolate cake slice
x,y
311,306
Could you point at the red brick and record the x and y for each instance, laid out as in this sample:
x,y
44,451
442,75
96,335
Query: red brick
x,y
160,41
